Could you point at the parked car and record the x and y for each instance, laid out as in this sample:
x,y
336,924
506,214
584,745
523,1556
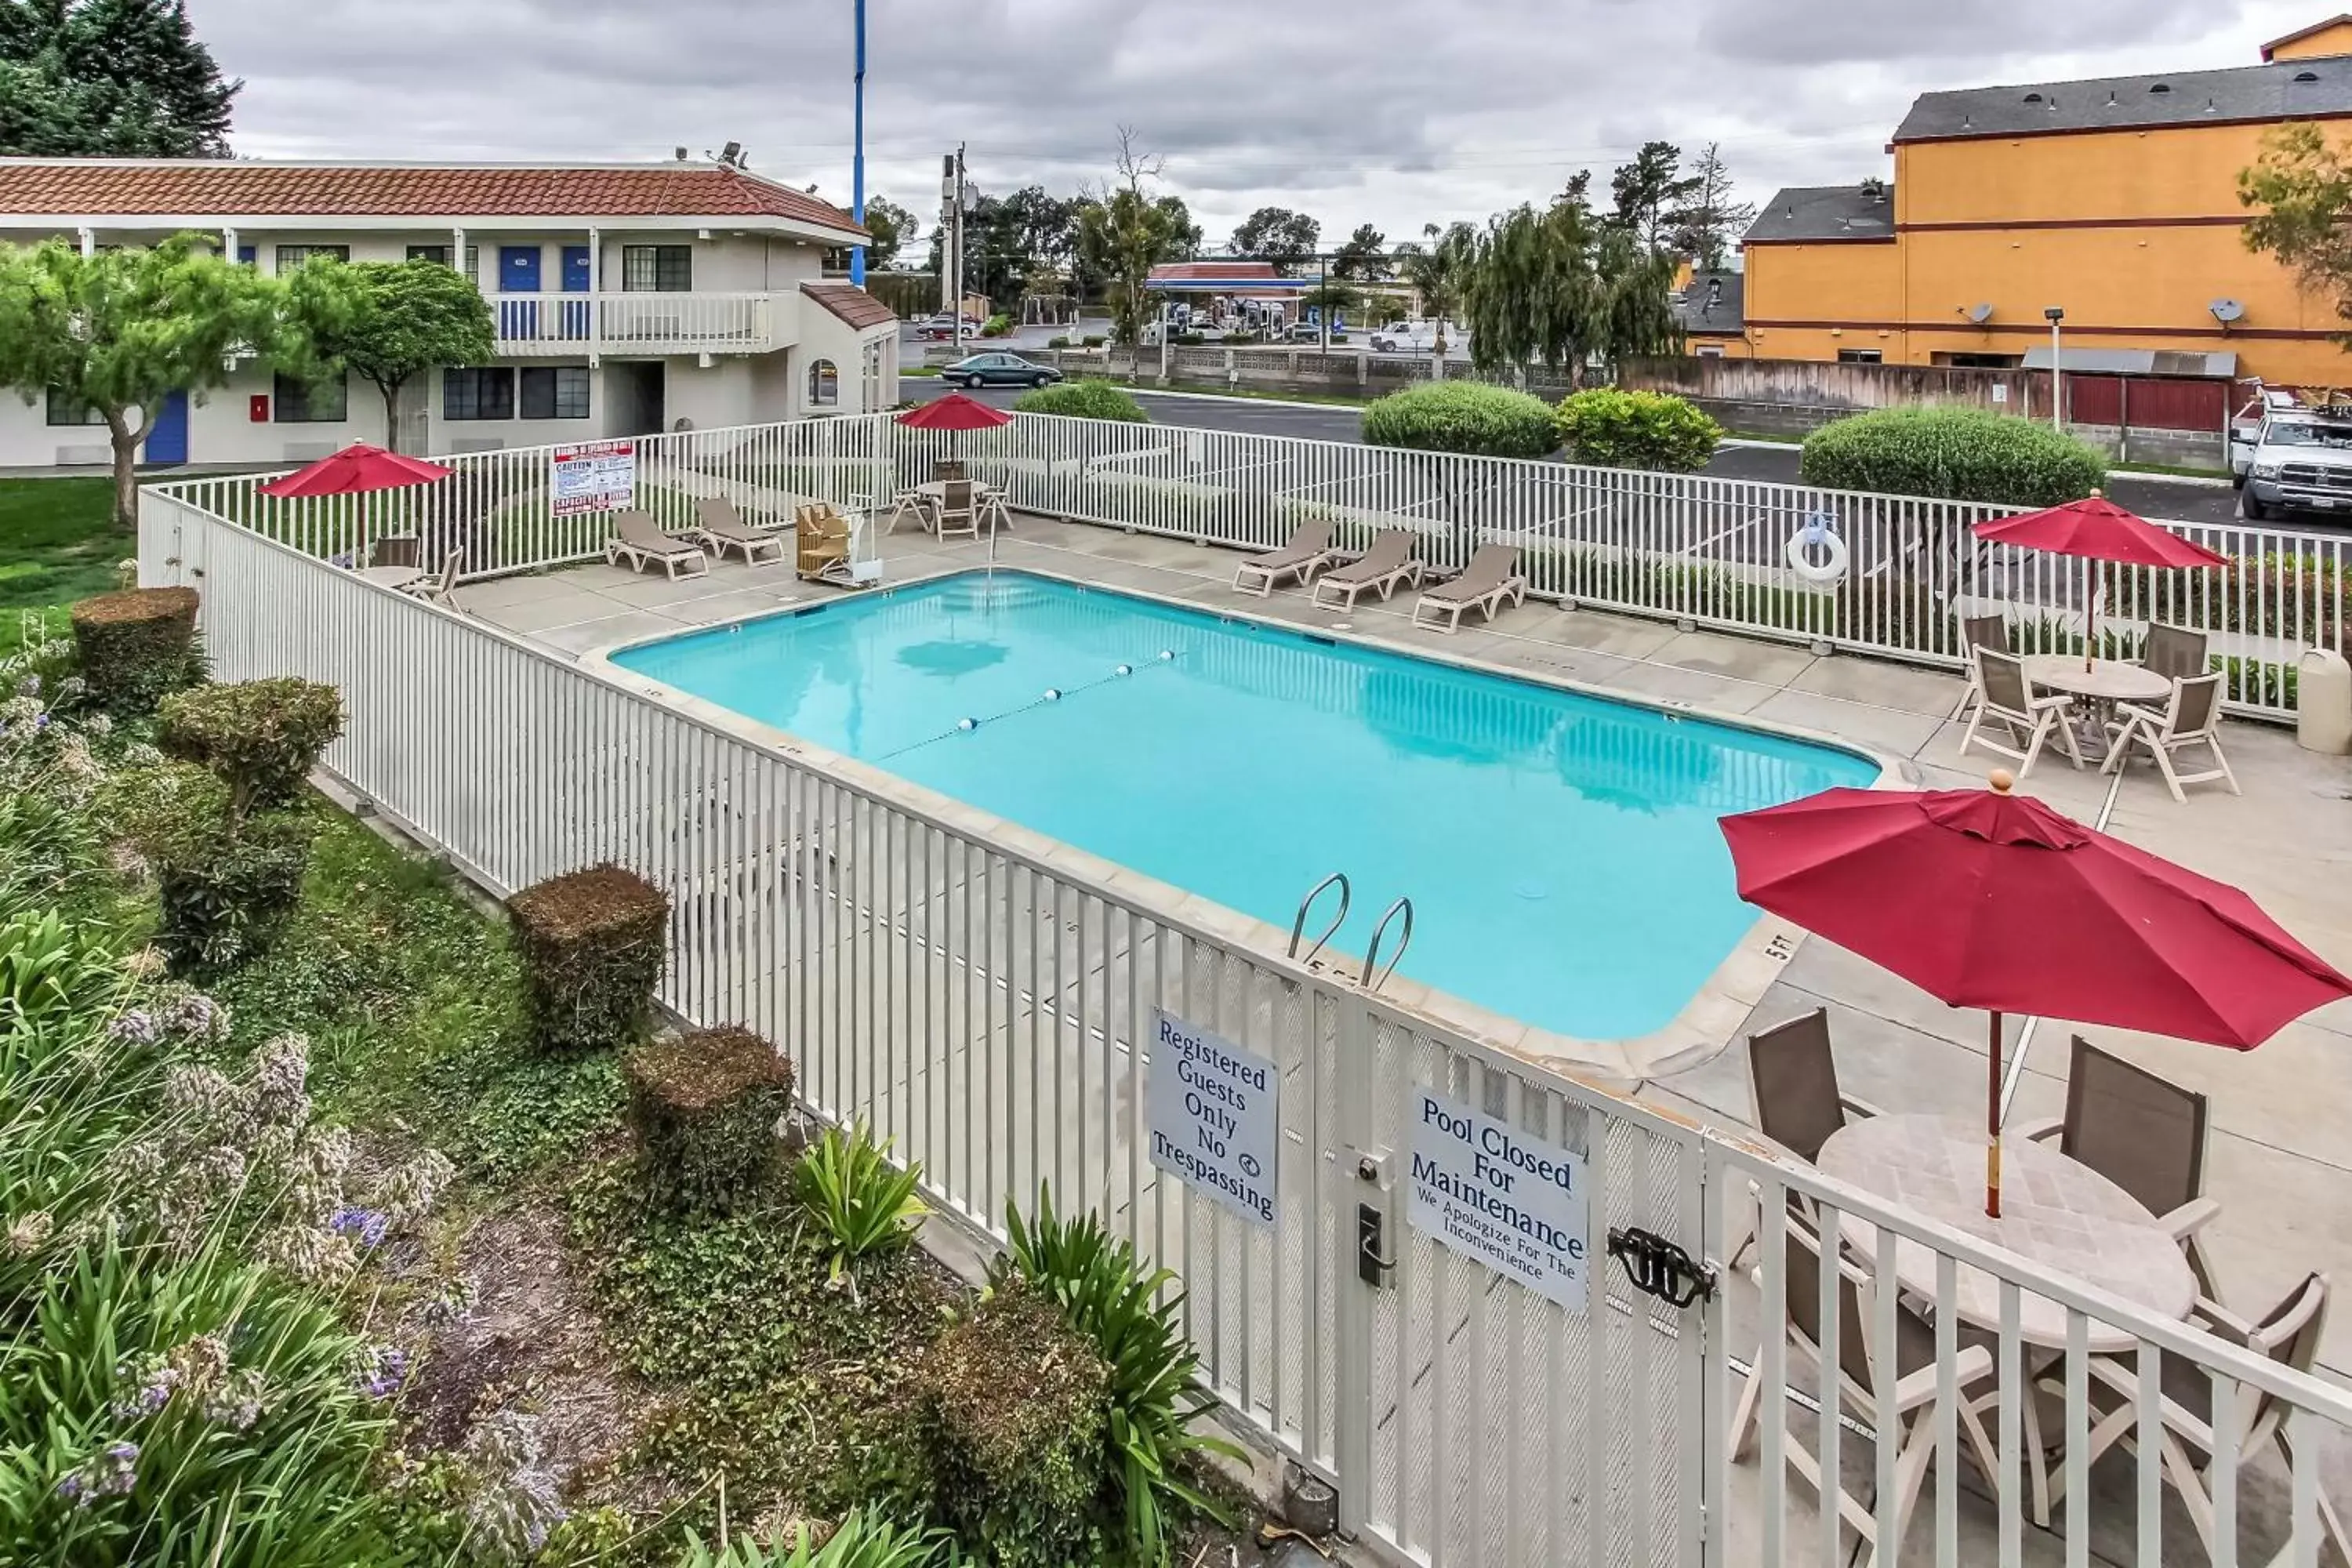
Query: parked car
x,y
1308,332
2302,462
998,370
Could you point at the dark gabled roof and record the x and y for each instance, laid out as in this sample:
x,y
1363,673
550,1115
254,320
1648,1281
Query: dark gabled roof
x,y
1715,302
856,309
1826,212
2276,91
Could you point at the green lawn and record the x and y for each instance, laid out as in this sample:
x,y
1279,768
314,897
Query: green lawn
x,y
57,543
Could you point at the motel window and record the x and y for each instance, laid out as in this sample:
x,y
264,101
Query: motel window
x,y
555,392
1980,360
480,393
67,409
657,268
289,257
439,254
825,385
294,400
1861,356
1710,351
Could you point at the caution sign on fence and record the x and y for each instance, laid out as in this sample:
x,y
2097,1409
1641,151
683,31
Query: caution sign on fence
x,y
595,476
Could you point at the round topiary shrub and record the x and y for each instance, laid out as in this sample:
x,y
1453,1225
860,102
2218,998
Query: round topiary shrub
x,y
705,1107
136,644
261,737
1959,454
1463,417
1606,427
592,949
224,885
1092,398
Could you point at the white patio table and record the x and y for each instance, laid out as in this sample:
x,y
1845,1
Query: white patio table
x,y
2106,683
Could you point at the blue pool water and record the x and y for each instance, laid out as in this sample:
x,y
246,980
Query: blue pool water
x,y
1560,851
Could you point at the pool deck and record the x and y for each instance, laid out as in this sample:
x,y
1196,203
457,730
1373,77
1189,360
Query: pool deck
x,y
2278,1112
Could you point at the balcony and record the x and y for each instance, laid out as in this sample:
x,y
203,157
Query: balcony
x,y
569,325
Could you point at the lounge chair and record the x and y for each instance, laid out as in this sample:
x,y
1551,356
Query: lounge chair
x,y
718,529
1385,566
1492,576
1308,551
2193,718
2007,697
638,539
709,511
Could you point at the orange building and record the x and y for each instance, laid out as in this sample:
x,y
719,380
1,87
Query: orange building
x,y
2114,200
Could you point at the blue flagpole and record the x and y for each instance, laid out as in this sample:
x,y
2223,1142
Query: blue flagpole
x,y
857,161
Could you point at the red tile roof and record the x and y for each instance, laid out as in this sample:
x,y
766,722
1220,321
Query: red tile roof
x,y
131,188
856,308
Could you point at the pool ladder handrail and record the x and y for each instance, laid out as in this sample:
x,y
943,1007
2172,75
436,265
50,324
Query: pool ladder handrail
x,y
1298,926
1373,977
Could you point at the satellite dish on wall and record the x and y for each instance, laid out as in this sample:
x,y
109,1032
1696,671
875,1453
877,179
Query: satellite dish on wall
x,y
1980,313
2227,310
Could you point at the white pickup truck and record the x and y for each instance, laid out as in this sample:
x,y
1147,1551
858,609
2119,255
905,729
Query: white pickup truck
x,y
2300,461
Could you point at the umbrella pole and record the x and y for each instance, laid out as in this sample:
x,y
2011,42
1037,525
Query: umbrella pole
x,y
2091,613
1993,1123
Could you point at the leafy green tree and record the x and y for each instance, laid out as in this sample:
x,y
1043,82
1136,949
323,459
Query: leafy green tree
x,y
399,318
1440,269
108,78
1560,288
2300,192
119,330
1648,189
892,227
1710,223
1128,233
1364,257
1277,234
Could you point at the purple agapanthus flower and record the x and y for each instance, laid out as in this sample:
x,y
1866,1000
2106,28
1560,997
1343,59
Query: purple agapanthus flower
x,y
138,1026
367,1225
381,1371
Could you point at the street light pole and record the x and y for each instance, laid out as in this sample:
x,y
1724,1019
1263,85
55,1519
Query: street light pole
x,y
2055,314
857,156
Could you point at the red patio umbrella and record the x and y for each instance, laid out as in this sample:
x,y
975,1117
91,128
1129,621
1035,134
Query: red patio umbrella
x,y
2097,528
1983,899
354,470
954,411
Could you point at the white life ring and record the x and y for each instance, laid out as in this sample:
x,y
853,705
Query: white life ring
x,y
1817,531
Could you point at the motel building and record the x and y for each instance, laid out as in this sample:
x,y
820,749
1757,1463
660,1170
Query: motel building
x,y
627,299
2114,200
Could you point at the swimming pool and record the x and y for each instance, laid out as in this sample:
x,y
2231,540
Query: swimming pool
x,y
1561,850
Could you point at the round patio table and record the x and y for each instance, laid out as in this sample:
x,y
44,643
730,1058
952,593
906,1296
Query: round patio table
x,y
2055,1211
2107,682
921,503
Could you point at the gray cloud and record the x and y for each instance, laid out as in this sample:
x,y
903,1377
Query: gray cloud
x,y
1390,111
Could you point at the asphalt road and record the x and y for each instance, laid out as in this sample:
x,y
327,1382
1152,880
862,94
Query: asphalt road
x,y
2153,497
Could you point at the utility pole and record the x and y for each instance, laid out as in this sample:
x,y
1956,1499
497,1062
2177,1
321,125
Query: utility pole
x,y
2054,315
952,246
858,157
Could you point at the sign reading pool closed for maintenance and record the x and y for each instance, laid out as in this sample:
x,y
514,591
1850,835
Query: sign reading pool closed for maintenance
x,y
1213,1122
1513,1202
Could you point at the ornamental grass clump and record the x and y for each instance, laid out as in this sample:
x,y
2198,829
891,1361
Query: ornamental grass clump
x,y
137,645
705,1107
261,738
592,949
867,1205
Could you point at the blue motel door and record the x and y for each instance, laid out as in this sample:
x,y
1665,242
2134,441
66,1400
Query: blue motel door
x,y
518,274
577,313
167,437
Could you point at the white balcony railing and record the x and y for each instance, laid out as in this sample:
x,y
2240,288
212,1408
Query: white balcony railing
x,y
557,324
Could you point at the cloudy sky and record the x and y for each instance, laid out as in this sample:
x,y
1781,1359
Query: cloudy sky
x,y
1397,113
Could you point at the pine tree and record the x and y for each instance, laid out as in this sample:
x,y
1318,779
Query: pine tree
x,y
1711,224
108,78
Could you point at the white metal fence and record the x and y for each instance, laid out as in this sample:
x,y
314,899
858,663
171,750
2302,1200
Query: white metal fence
x,y
984,1008
1714,552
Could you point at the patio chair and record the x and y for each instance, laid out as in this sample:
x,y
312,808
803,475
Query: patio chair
x,y
1978,631
638,539
1385,566
2193,718
2006,697
1308,551
720,530
1492,576
948,468
2175,653
822,540
1909,1423
959,511
2145,1134
2288,1333
1794,1092
437,587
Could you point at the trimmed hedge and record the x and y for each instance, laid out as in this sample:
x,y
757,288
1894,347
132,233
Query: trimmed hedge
x,y
1011,1421
1608,428
224,886
1092,398
1959,454
705,1107
136,644
592,949
261,737
1463,417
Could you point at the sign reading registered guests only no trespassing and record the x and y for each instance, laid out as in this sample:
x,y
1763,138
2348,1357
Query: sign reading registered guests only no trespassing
x,y
1212,1117
595,475
1512,1202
